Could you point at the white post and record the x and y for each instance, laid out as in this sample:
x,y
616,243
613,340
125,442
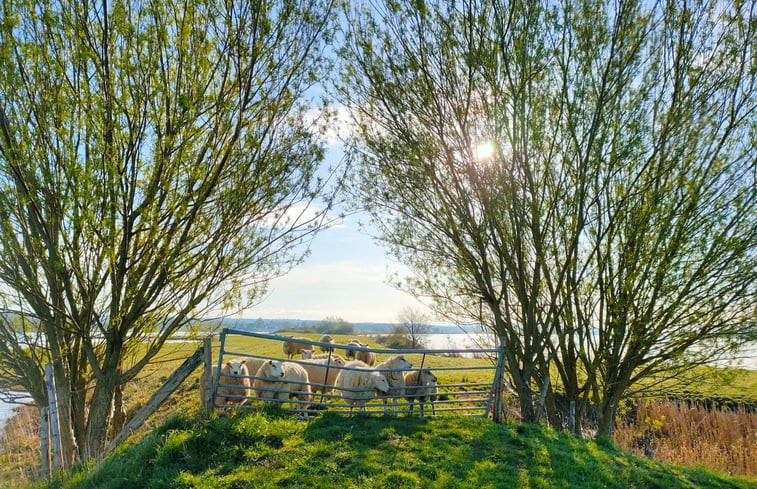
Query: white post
x,y
53,407
572,417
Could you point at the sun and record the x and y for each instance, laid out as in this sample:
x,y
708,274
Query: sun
x,y
485,150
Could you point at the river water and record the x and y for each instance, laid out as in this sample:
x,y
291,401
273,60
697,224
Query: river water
x,y
746,359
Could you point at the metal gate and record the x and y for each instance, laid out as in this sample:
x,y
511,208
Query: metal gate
x,y
466,379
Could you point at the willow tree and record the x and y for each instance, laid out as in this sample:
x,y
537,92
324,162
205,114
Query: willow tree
x,y
457,161
610,226
156,162
667,272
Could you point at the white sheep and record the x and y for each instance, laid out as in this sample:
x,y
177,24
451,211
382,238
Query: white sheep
x,y
391,369
360,384
235,373
317,372
293,346
270,376
326,339
421,385
283,380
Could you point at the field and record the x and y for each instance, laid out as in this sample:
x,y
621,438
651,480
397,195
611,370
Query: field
x,y
724,444
273,450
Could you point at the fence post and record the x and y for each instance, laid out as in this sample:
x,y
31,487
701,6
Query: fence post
x,y
44,435
52,400
572,417
495,394
207,374
221,352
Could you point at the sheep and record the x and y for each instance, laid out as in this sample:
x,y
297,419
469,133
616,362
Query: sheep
x,y
367,357
421,385
283,376
326,339
270,375
353,342
394,376
233,372
294,346
317,372
360,384
311,355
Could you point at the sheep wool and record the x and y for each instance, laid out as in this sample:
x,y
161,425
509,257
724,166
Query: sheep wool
x,y
235,374
392,368
293,346
421,385
359,386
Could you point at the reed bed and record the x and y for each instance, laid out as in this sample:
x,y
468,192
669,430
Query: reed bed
x,y
691,434
19,449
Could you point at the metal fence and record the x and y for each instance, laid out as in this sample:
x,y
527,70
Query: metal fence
x,y
466,380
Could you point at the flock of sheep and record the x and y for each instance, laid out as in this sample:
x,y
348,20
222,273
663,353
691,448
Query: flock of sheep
x,y
358,380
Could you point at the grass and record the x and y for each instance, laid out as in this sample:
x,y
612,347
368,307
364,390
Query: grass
x,y
265,450
250,450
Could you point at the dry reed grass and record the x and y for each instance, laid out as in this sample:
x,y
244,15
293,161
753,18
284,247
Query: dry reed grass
x,y
19,449
682,434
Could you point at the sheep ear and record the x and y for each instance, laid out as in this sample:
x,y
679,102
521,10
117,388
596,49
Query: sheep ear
x,y
228,364
244,361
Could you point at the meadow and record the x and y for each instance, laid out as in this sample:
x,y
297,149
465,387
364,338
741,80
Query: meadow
x,y
665,431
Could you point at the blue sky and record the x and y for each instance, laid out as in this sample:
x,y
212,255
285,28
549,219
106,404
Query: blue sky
x,y
345,275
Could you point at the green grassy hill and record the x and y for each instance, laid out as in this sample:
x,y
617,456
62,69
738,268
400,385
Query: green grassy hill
x,y
261,450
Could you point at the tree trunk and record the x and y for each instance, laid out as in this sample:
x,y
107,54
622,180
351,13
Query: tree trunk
x,y
119,413
100,412
69,449
606,415
526,399
552,413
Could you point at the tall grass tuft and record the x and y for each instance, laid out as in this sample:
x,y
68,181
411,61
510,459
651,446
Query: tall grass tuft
x,y
19,444
691,434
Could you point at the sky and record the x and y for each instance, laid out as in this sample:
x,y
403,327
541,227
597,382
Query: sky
x,y
346,275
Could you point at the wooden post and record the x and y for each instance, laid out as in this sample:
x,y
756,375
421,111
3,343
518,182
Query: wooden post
x,y
495,403
572,417
157,399
44,435
52,399
207,374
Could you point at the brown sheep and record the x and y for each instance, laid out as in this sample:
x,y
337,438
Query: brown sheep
x,y
351,352
421,385
367,357
293,346
326,339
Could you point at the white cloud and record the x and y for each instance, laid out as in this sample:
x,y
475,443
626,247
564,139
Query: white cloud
x,y
354,290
